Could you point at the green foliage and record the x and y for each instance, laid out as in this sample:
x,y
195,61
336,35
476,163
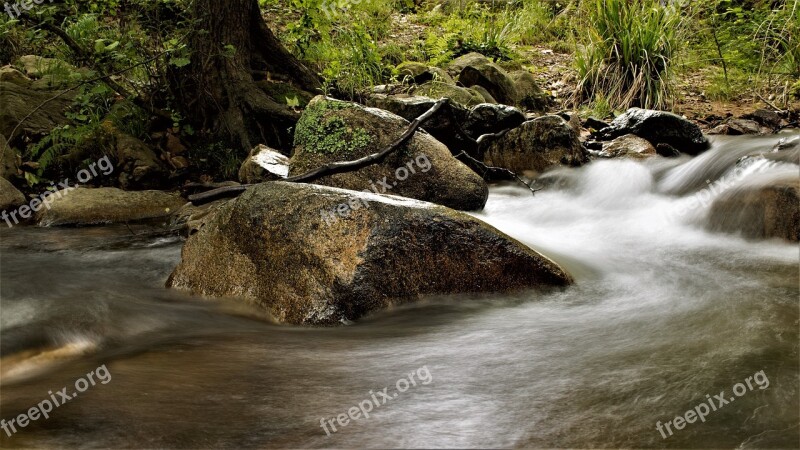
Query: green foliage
x,y
319,133
217,158
628,54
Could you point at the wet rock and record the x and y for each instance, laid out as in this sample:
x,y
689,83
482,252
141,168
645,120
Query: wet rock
x,y
263,164
537,145
83,206
658,127
332,130
629,146
271,247
10,196
766,118
190,219
667,150
765,210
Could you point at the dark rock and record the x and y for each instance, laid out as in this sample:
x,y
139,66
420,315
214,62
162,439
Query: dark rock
x,y
529,95
594,124
491,77
20,101
766,118
537,145
273,248
737,127
658,127
770,210
489,118
440,126
667,150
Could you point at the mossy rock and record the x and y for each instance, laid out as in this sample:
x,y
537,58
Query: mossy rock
x,y
437,89
332,130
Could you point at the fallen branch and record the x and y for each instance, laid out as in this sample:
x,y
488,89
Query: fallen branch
x,y
331,168
496,173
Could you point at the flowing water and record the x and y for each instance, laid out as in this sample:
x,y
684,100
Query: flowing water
x,y
663,313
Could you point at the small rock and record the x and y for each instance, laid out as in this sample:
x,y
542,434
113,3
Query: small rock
x,y
658,127
264,164
629,146
83,206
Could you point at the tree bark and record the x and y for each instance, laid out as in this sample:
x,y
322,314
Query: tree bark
x,y
231,49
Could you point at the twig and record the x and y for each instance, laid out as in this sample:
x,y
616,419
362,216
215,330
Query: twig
x,y
775,108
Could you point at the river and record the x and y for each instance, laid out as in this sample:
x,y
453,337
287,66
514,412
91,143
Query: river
x,y
663,313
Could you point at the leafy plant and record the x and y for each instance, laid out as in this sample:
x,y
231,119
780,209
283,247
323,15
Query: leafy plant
x,y
628,54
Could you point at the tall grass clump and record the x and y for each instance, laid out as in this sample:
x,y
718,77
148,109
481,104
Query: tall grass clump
x,y
628,54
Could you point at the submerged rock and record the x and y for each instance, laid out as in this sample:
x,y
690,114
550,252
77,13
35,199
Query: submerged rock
x,y
766,210
423,168
83,206
276,246
537,145
658,127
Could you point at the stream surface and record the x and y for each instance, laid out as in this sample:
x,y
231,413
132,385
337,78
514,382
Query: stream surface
x,y
662,313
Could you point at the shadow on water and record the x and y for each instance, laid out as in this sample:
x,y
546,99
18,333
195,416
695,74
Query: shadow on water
x,y
663,313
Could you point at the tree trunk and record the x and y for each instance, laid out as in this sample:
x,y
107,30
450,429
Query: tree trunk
x,y
232,48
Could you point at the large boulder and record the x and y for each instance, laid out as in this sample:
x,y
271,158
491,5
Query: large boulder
x,y
20,102
760,210
264,164
83,206
10,196
423,168
537,145
658,127
273,247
